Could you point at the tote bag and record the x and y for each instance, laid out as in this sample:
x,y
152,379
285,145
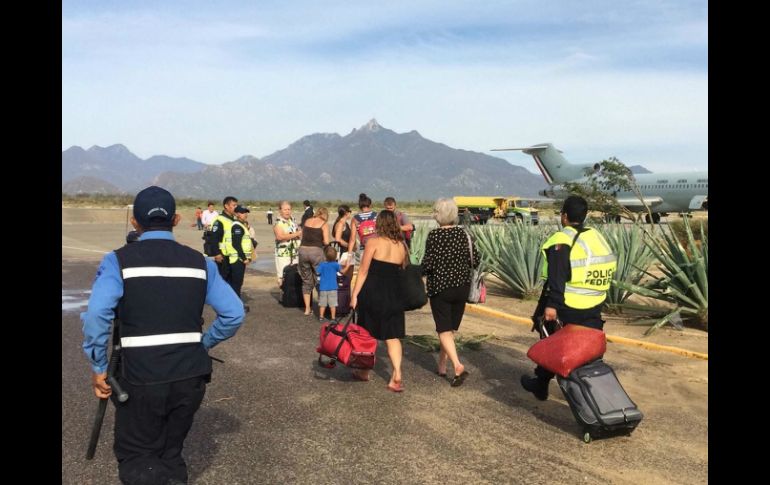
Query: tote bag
x,y
478,293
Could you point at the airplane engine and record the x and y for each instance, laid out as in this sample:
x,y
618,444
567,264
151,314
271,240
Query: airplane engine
x,y
554,192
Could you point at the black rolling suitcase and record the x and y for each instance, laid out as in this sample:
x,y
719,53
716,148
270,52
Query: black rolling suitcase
x,y
343,294
291,288
343,297
598,401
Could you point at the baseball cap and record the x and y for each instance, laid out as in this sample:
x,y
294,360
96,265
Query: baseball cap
x,y
154,207
242,210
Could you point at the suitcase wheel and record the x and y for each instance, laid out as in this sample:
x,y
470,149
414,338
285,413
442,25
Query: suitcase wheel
x,y
587,437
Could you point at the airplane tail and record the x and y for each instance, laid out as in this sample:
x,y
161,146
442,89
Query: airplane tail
x,y
554,167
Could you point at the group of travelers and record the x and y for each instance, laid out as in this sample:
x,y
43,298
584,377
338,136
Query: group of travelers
x,y
165,363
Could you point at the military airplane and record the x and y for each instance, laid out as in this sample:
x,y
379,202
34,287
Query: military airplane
x,y
681,192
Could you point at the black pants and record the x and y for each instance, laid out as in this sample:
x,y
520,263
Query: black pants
x,y
270,219
150,429
233,273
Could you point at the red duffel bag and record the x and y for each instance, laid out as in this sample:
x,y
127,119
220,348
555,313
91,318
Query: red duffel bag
x,y
569,348
348,343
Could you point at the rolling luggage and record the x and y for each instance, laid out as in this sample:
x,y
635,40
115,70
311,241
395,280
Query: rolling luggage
x,y
347,343
343,297
291,288
598,401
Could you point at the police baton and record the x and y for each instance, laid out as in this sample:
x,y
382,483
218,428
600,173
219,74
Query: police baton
x,y
120,394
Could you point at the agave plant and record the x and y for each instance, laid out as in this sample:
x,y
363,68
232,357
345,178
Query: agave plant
x,y
634,257
685,277
417,246
512,253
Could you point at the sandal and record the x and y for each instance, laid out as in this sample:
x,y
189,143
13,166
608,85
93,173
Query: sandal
x,y
395,387
458,380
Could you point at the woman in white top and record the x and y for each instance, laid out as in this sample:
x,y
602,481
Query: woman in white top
x,y
287,239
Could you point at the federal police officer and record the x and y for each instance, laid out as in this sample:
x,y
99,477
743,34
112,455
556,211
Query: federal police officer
x,y
223,235
578,269
159,288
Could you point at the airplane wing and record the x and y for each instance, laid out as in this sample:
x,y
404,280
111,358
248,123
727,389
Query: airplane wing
x,y
634,202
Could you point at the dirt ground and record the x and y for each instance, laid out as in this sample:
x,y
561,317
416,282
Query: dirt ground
x,y
670,446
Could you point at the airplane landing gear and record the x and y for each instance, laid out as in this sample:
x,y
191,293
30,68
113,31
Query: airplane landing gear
x,y
655,218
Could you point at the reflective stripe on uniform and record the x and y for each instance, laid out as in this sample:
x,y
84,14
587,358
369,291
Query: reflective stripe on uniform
x,y
162,339
582,291
576,263
150,271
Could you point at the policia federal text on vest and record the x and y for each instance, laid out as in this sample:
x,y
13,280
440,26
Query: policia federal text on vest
x,y
592,266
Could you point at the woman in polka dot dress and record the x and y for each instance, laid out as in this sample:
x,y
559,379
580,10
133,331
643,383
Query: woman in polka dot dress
x,y
447,265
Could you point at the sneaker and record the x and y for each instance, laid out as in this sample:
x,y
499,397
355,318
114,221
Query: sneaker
x,y
536,386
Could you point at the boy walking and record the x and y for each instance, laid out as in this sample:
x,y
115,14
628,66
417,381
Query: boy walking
x,y
327,287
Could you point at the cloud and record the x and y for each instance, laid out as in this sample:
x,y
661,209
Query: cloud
x,y
214,82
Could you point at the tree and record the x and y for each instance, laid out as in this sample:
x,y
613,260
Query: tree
x,y
600,185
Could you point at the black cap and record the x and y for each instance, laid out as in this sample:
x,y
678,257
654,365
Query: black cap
x,y
154,207
242,210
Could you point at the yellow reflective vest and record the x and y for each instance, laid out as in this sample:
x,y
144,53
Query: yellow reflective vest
x,y
592,263
226,244
246,245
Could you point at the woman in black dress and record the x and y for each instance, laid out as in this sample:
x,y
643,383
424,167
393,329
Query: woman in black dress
x,y
378,296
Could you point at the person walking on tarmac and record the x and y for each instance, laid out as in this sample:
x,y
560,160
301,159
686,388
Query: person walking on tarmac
x,y
578,269
159,287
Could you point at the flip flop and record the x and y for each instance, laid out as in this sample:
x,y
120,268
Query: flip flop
x,y
458,380
395,388
440,374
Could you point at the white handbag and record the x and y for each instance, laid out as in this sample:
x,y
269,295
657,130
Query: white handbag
x,y
478,293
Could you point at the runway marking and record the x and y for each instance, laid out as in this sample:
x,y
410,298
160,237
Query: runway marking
x,y
84,249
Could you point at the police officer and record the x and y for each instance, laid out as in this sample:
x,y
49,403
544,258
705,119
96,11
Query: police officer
x,y
242,247
578,269
222,229
159,288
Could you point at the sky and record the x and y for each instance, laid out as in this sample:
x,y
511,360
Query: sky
x,y
213,81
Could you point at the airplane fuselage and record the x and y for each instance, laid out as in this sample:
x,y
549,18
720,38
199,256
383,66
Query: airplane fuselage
x,y
675,189
662,192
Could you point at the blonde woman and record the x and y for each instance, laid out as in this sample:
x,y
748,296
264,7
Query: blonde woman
x,y
378,296
287,235
315,235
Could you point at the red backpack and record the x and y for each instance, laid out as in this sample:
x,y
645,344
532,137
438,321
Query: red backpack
x,y
366,227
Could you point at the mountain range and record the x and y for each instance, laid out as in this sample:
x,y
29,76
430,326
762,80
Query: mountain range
x,y
321,166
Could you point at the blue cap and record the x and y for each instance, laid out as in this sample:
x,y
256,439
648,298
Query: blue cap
x,y
154,207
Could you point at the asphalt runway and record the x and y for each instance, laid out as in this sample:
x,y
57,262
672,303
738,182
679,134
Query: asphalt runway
x,y
271,415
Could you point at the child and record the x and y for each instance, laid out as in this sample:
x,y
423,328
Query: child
x,y
327,287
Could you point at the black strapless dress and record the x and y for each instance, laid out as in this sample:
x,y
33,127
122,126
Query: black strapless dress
x,y
381,301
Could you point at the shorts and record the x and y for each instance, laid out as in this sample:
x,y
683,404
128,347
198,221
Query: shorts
x,y
327,298
448,307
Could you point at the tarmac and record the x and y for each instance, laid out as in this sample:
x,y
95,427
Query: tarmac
x,y
272,415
